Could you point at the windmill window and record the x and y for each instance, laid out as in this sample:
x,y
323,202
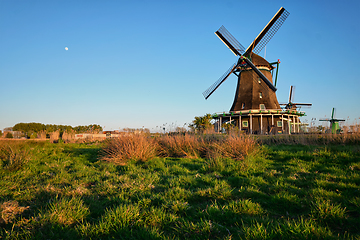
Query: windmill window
x,y
245,124
260,94
262,107
243,106
279,123
259,80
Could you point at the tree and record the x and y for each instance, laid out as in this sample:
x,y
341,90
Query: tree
x,y
32,129
29,128
33,136
229,127
9,135
202,124
0,133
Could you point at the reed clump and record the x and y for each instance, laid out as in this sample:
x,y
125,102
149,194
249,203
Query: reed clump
x,y
138,147
311,139
54,136
13,155
183,145
236,147
144,147
68,136
41,135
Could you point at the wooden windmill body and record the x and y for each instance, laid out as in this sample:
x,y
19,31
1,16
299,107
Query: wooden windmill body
x,y
250,92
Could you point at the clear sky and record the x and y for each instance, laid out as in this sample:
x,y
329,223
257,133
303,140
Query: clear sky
x,y
146,63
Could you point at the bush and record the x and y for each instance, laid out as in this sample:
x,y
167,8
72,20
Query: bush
x,y
33,136
9,135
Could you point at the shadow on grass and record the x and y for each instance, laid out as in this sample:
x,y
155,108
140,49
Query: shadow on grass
x,y
91,154
55,231
316,173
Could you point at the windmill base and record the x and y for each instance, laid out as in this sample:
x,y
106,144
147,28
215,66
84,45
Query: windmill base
x,y
275,121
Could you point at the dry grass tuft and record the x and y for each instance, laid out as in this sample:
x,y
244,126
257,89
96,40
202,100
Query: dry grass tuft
x,y
9,210
189,146
138,147
54,136
236,147
68,136
13,154
142,147
41,135
311,139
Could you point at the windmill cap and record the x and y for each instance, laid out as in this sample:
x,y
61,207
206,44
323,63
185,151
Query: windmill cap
x,y
260,61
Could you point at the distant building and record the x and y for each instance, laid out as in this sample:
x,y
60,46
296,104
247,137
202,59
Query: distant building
x,y
15,134
103,135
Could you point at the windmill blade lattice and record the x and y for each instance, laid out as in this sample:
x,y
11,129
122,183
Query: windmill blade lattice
x,y
230,41
215,85
268,32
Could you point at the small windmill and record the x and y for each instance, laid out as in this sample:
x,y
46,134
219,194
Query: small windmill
x,y
334,123
291,105
255,86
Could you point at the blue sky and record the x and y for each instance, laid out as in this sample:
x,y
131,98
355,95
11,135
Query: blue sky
x,y
146,63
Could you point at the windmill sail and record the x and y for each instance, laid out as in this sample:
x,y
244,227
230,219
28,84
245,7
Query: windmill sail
x,y
215,85
268,32
230,41
291,95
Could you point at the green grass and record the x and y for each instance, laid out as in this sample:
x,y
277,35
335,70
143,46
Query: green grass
x,y
63,191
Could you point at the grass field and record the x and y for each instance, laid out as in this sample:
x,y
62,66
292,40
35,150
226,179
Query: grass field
x,y
273,191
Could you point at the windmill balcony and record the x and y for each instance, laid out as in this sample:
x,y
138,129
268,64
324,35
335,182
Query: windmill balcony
x,y
258,121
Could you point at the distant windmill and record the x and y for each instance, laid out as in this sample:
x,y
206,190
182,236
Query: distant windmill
x,y
334,123
291,105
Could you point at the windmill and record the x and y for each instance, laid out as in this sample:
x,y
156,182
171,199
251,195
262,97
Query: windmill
x,y
334,123
255,89
291,105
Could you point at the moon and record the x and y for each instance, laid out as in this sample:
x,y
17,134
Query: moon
x,y
66,48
